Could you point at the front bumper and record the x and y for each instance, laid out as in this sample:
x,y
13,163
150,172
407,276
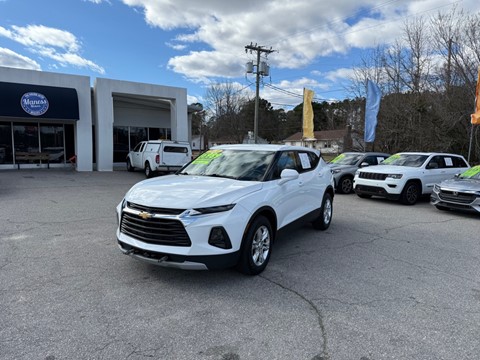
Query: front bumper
x,y
184,262
454,202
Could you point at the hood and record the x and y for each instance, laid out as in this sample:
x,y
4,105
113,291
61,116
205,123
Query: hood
x,y
186,191
342,167
389,169
457,184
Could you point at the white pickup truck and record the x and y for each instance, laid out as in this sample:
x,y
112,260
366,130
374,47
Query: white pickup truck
x,y
157,156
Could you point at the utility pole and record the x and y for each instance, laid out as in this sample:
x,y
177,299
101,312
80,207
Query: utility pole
x,y
262,70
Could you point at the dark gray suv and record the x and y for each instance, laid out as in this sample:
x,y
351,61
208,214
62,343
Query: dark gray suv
x,y
344,166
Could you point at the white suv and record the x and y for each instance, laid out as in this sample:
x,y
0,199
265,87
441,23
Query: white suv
x,y
407,176
225,207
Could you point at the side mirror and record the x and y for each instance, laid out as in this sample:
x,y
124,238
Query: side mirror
x,y
364,164
288,175
432,165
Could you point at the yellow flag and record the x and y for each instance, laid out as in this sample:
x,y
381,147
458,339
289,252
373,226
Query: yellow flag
x,y
307,114
476,116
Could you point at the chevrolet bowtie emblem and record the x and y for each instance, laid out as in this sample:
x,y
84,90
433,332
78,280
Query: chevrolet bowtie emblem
x,y
145,215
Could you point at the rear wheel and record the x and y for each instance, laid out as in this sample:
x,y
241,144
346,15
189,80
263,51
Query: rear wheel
x,y
410,193
256,247
148,170
345,185
326,211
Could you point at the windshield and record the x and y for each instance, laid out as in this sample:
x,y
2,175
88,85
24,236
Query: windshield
x,y
346,159
414,160
472,173
246,165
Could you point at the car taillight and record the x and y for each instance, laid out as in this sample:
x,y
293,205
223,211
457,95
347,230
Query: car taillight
x,y
157,159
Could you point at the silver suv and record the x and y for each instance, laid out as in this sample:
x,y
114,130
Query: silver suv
x,y
344,167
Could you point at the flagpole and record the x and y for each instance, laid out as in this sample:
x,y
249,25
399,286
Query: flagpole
x,y
470,146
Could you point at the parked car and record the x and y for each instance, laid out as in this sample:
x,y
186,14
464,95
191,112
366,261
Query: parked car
x,y
460,193
159,156
344,167
225,207
407,176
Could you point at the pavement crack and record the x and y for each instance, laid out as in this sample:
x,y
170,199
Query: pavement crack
x,y
325,354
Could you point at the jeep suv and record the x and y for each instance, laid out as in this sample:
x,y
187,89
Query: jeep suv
x,y
407,176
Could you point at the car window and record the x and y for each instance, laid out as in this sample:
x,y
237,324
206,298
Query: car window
x,y
176,149
415,160
346,159
458,162
437,162
287,160
245,165
137,148
372,159
307,161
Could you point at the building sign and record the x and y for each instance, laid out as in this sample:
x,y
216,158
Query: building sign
x,y
35,104
27,101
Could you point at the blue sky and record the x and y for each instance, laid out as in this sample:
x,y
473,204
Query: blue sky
x,y
193,44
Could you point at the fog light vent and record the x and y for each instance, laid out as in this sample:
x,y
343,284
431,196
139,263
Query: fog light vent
x,y
219,238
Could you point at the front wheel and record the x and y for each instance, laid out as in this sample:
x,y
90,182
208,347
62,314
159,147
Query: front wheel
x,y
256,247
345,185
326,211
129,165
410,193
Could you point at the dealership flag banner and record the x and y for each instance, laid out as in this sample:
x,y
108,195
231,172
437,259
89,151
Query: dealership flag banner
x,y
371,110
308,114
476,115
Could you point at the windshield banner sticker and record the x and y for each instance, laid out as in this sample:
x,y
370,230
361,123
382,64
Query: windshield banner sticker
x,y
338,158
472,171
391,159
207,157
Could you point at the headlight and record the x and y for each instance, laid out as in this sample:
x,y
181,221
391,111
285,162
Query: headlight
x,y
335,171
394,176
436,188
211,210
357,172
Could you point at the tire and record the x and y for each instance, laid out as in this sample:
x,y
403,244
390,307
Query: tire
x,y
326,212
410,193
256,247
148,170
364,196
345,185
129,165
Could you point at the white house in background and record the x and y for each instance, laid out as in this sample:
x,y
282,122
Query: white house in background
x,y
327,141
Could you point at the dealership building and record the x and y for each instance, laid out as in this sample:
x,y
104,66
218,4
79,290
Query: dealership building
x,y
75,123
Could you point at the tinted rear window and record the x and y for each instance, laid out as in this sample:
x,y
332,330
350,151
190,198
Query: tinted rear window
x,y
176,149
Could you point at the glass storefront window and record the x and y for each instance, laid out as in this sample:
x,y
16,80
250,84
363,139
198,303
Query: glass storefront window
x,y
6,149
25,137
137,134
120,143
51,140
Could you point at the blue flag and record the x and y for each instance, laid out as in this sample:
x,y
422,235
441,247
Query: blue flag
x,y
371,110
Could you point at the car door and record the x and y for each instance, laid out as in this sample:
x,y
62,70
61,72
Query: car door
x,y
435,172
137,155
287,198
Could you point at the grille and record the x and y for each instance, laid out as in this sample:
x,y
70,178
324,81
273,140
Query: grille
x,y
155,231
372,176
152,210
458,197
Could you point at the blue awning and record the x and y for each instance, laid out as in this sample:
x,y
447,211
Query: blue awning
x,y
38,101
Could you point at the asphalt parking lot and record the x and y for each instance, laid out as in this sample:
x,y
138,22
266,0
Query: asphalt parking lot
x,y
385,281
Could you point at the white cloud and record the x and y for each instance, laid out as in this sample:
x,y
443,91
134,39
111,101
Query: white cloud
x,y
301,31
10,58
55,44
